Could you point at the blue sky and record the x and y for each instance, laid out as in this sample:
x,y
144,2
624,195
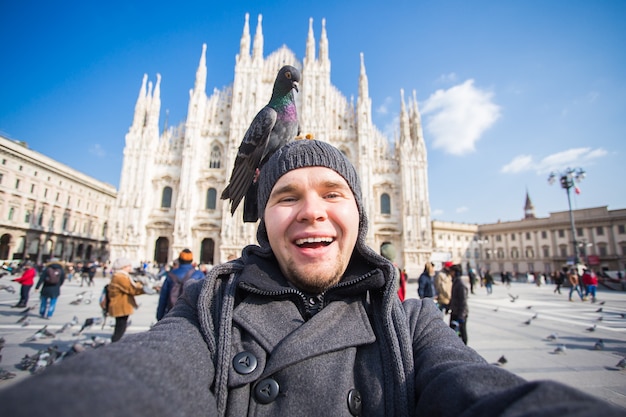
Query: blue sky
x,y
509,90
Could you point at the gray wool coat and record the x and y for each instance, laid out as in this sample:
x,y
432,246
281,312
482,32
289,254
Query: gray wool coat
x,y
243,342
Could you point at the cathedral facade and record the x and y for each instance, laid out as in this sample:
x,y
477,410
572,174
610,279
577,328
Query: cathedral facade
x,y
172,178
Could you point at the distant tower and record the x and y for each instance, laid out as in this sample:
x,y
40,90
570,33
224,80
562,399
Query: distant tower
x,y
529,209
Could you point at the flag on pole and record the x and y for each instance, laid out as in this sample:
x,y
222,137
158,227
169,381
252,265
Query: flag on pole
x,y
577,190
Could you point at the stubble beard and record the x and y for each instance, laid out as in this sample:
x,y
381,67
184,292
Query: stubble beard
x,y
312,279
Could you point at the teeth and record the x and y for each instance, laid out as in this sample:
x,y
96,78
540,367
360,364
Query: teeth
x,y
314,240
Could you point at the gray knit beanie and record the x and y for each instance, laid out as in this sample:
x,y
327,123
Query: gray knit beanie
x,y
301,154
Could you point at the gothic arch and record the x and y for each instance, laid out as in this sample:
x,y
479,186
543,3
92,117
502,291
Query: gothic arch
x,y
166,197
385,204
211,199
207,251
215,158
161,250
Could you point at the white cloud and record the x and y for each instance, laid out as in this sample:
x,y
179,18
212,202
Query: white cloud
x,y
436,212
571,158
457,117
461,209
97,150
384,108
390,130
519,164
447,78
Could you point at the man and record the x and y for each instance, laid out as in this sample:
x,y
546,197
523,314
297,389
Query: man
x,y
174,281
443,285
51,278
458,303
306,323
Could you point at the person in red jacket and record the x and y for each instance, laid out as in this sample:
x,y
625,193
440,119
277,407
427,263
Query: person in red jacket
x,y
590,281
27,280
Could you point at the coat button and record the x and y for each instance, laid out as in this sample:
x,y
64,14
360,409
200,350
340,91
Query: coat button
x,y
244,362
266,391
354,402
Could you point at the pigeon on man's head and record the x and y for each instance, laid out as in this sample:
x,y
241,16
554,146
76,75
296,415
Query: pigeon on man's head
x,y
274,126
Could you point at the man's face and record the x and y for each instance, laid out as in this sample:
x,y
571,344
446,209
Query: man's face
x,y
312,224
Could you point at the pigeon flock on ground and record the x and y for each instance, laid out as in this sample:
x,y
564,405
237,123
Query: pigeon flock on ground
x,y
53,353
561,348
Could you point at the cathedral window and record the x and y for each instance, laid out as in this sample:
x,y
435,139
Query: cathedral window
x,y
215,160
166,198
385,204
211,199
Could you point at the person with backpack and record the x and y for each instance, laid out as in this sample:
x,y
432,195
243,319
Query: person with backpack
x,y
174,282
51,278
121,293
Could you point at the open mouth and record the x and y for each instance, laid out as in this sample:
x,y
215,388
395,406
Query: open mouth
x,y
314,242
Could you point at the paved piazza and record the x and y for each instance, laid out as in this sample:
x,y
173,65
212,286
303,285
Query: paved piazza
x,y
496,327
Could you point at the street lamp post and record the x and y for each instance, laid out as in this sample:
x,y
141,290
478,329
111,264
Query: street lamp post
x,y
568,178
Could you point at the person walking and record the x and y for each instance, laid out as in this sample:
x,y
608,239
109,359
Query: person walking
x,y
121,293
458,303
174,282
51,278
443,286
573,280
26,281
559,279
426,284
488,282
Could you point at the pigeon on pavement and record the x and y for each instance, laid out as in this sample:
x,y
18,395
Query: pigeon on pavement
x,y
7,288
41,334
274,126
599,345
88,323
591,329
560,349
553,336
622,363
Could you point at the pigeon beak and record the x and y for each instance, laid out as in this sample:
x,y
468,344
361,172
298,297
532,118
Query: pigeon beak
x,y
294,85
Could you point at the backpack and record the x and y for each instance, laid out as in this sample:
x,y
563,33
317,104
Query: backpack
x,y
104,300
53,276
177,287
